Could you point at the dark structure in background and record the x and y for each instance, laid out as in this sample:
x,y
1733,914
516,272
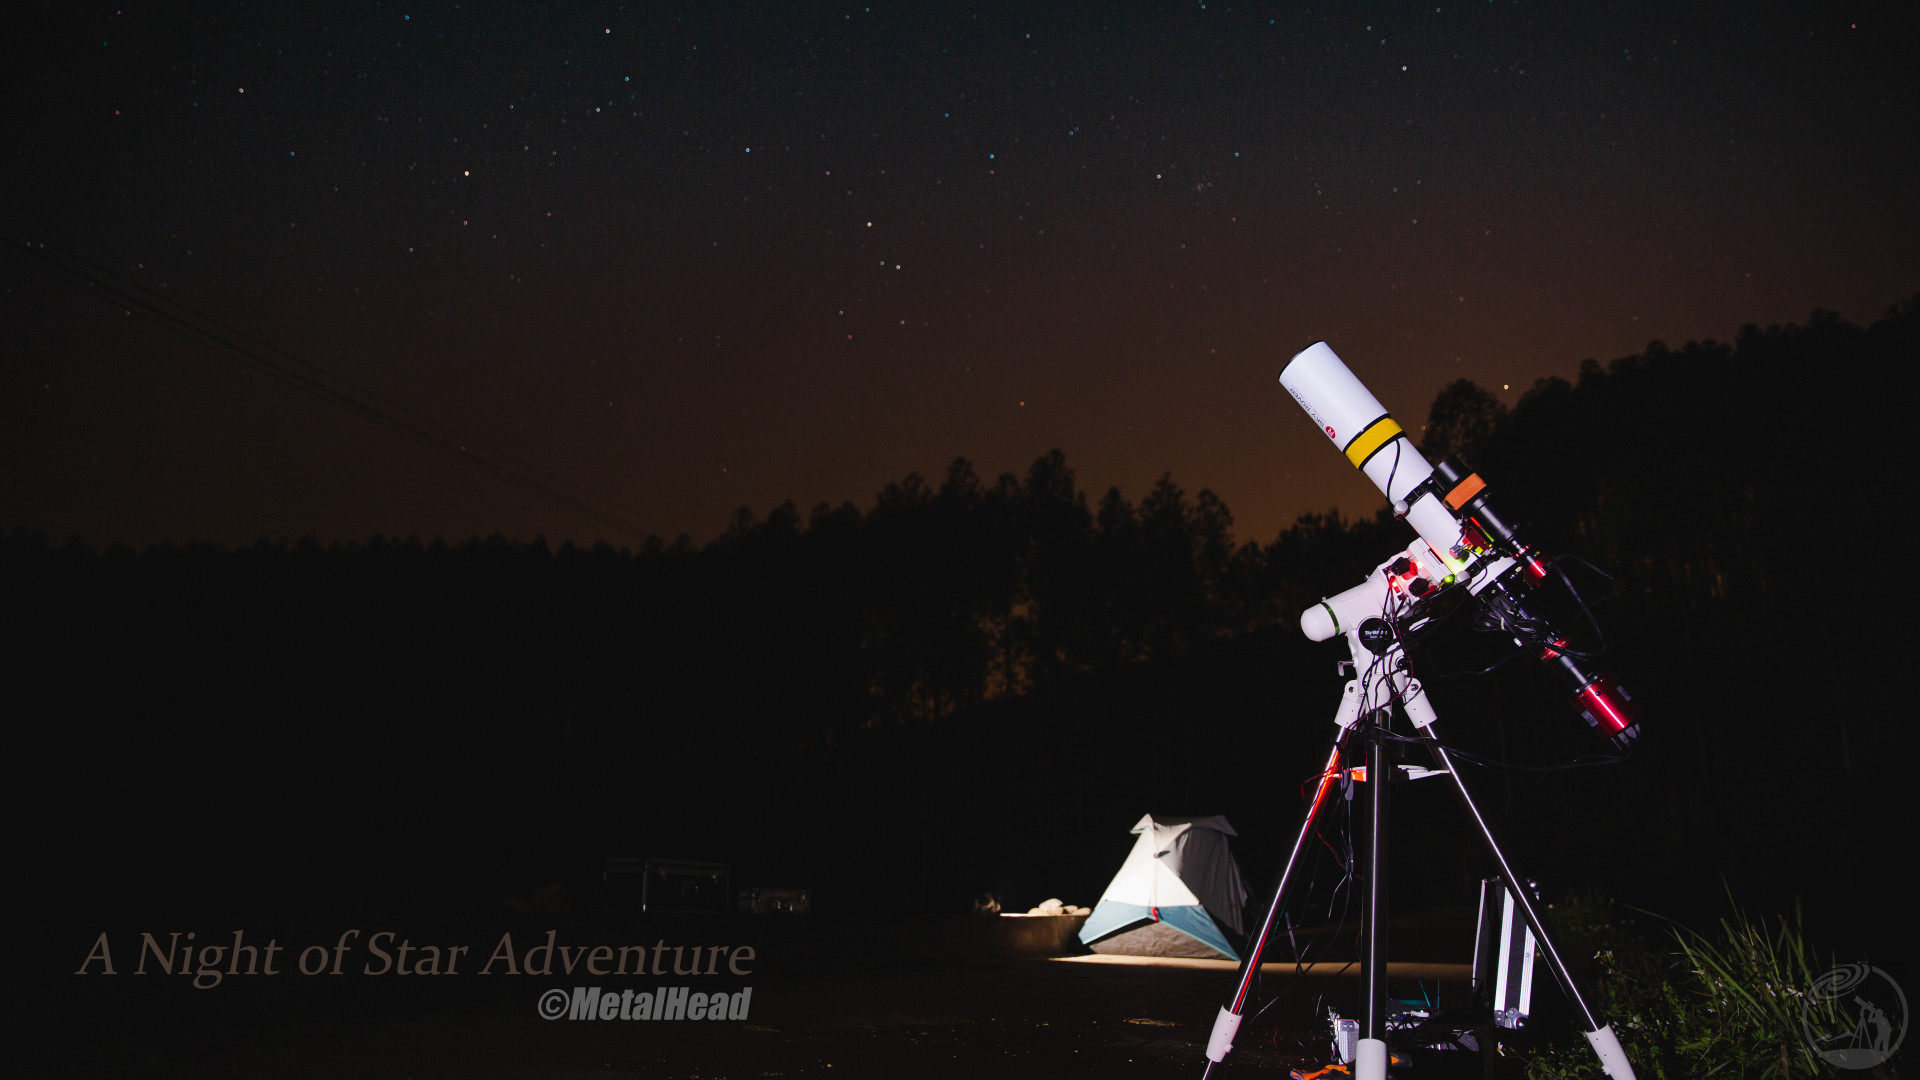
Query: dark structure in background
x,y
962,679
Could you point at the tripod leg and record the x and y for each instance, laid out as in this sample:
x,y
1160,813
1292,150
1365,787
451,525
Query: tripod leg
x,y
1370,1062
1613,1060
1227,1023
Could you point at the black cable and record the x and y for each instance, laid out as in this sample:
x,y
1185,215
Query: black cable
x,y
1498,612
209,332
1417,635
1609,578
1580,598
1441,672
1503,613
1589,761
1393,472
1303,959
1300,955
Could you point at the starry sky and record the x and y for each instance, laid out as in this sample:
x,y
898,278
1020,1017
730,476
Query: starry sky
x,y
693,258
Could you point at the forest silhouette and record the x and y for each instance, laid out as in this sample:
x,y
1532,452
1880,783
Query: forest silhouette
x,y
978,685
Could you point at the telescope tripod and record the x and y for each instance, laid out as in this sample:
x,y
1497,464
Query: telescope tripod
x,y
1381,681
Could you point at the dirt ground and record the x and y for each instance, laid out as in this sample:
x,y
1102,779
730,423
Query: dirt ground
x,y
1005,1017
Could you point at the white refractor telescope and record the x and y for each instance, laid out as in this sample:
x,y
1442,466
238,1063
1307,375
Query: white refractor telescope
x,y
1464,543
1468,541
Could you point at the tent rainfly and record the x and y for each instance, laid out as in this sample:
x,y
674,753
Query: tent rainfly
x,y
1178,893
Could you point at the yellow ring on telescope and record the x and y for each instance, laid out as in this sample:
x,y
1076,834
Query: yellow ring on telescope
x,y
1373,437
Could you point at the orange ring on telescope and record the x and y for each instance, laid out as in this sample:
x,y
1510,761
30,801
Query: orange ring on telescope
x,y
1464,490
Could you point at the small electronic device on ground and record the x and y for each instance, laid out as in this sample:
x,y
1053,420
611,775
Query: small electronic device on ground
x,y
1503,951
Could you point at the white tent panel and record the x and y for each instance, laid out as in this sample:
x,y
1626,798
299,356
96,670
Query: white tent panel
x,y
1179,874
1145,877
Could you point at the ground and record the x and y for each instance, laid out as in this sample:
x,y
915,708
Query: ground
x,y
886,1016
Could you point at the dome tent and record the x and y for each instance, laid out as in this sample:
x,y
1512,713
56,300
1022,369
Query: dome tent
x,y
1179,893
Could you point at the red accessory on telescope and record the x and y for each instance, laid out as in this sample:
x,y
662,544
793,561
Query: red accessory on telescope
x,y
1606,705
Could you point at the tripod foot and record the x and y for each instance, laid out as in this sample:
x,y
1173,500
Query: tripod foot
x,y
1613,1060
1225,1026
1370,1060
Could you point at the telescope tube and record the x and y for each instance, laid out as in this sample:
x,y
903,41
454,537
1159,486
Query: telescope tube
x,y
1362,428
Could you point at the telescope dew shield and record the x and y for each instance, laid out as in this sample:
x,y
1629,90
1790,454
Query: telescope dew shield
x,y
1337,401
1348,414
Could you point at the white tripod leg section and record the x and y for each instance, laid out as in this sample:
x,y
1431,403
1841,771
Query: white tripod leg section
x,y
1370,1060
1225,1026
1413,701
1613,1060
1349,712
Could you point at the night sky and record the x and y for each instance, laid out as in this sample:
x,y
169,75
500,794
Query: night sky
x,y
704,257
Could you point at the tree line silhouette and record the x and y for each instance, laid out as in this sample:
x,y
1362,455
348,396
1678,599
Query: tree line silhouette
x,y
979,685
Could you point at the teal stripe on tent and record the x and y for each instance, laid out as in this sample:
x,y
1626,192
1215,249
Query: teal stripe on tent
x,y
1111,915
1191,920
1194,922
